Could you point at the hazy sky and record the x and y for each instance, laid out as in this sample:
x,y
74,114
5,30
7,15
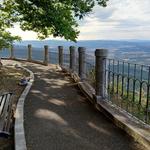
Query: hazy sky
x,y
121,19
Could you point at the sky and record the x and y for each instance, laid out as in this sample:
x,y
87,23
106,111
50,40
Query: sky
x,y
121,19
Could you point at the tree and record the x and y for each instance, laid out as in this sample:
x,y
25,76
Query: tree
x,y
51,17
6,21
6,39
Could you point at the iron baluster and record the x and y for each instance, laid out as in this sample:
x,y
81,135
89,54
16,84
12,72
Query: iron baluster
x,y
141,79
148,96
109,76
118,78
113,77
122,92
133,97
128,82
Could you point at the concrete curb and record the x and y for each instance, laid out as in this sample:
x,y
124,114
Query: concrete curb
x,y
19,135
131,125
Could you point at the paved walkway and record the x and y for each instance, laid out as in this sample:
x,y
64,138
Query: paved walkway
x,y
58,117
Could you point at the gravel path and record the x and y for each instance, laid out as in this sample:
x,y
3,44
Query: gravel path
x,y
58,117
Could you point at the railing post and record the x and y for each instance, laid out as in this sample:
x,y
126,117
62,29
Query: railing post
x,y
29,52
12,52
72,58
60,55
46,59
82,67
100,73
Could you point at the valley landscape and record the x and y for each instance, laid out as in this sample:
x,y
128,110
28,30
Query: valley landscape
x,y
135,51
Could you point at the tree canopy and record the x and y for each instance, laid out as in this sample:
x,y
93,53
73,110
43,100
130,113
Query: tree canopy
x,y
50,17
6,21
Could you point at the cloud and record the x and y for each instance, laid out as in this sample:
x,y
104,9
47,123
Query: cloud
x,y
119,20
26,35
103,13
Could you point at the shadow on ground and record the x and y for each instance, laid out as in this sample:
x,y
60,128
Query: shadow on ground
x,y
58,117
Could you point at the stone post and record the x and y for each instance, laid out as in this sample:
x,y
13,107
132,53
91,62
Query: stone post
x,y
29,52
60,55
100,73
46,56
82,67
72,58
12,52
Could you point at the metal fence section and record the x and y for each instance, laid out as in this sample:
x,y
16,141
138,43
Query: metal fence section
x,y
20,52
124,84
128,86
90,69
53,57
5,52
66,59
77,63
37,53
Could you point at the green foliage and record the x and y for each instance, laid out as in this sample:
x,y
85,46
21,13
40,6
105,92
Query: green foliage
x,y
6,21
6,39
51,17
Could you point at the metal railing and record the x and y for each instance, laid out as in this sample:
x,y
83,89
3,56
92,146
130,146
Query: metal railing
x,y
76,63
37,54
53,57
5,52
90,69
66,59
20,53
124,84
128,86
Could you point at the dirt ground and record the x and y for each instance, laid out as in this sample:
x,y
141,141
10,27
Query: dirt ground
x,y
9,79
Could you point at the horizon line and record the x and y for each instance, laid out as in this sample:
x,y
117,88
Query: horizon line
x,y
86,40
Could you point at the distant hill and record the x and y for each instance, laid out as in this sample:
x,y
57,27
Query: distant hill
x,y
85,43
130,50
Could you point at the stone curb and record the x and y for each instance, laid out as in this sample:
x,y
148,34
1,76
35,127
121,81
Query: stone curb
x,y
131,125
19,135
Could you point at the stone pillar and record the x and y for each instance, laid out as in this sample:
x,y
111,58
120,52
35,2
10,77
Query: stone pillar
x,y
12,52
100,73
46,56
60,55
72,58
82,67
29,52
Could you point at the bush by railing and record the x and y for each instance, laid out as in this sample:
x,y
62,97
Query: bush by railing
x,y
121,83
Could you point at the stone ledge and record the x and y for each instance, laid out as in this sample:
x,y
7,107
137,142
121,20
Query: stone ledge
x,y
138,130
19,135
